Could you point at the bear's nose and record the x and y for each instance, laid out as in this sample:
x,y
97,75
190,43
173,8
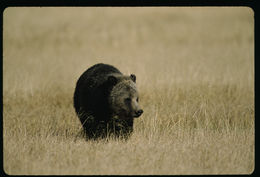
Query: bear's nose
x,y
139,112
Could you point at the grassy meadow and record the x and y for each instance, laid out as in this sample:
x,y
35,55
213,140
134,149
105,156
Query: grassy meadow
x,y
195,75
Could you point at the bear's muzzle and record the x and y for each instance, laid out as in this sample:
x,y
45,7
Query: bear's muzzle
x,y
138,113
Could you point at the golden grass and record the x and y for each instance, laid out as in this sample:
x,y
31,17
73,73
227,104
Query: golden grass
x,y
195,74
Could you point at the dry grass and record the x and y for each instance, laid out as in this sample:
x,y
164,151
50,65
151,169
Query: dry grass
x,y
195,74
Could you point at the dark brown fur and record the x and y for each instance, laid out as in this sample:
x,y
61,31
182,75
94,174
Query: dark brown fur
x,y
106,102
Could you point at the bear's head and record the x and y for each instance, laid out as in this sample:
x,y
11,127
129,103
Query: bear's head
x,y
123,97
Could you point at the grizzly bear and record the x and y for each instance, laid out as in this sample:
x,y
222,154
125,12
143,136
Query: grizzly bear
x,y
106,102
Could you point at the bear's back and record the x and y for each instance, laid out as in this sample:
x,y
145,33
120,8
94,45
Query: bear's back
x,y
99,71
88,90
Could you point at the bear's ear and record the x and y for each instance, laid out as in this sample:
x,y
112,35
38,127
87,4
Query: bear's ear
x,y
112,80
133,77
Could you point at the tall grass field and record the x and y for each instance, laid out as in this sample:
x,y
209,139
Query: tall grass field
x,y
195,76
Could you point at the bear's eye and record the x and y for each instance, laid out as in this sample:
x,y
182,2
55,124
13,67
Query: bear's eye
x,y
128,99
137,99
